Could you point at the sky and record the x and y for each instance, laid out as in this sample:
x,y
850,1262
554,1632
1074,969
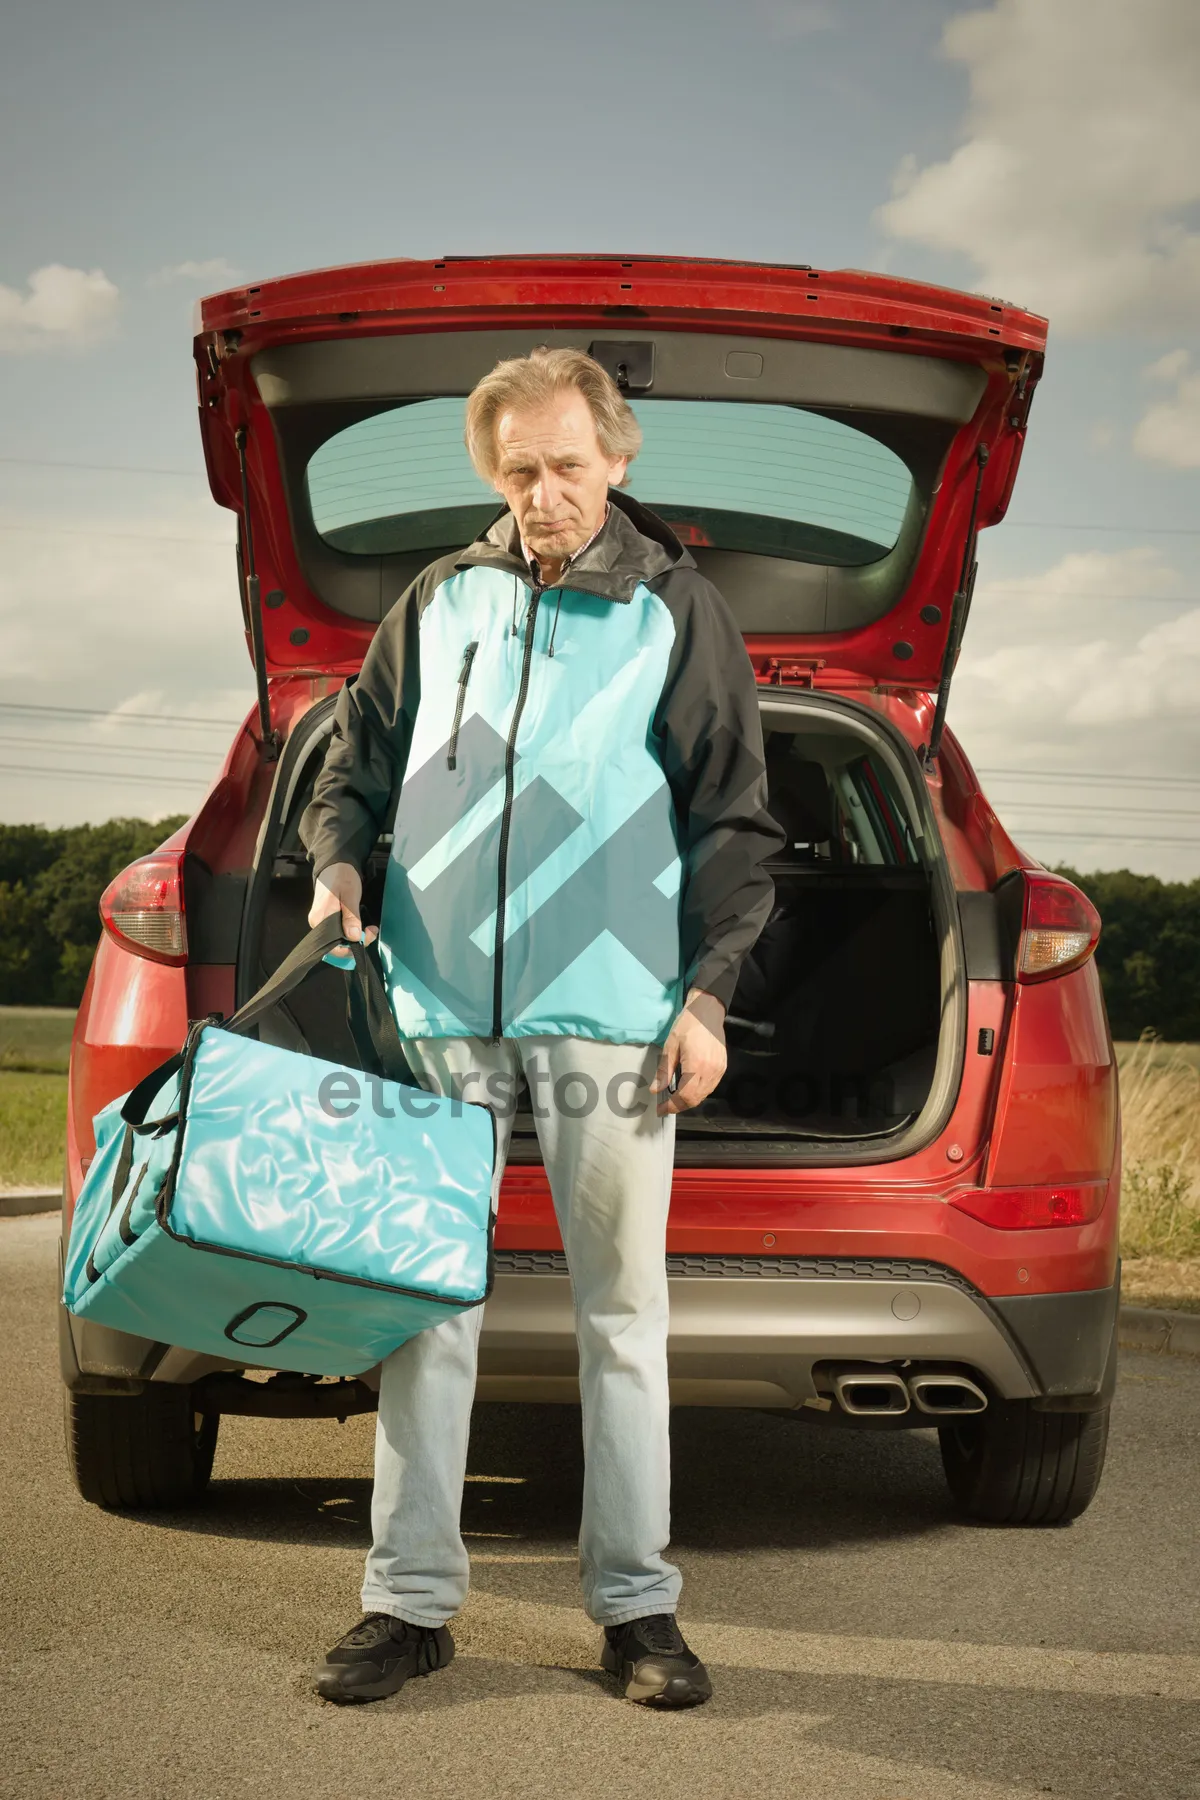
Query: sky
x,y
1046,151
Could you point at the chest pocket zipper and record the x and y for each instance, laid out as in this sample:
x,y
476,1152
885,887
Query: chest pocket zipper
x,y
464,677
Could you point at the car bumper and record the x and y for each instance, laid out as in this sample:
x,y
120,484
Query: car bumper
x,y
745,1331
749,1331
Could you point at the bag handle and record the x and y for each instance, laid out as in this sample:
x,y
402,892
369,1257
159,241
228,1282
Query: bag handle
x,y
296,965
372,1022
372,1025
133,1113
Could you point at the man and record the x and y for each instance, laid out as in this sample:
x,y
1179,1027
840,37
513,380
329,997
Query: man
x,y
562,721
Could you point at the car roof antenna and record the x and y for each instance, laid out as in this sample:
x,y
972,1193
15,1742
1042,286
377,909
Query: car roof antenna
x,y
959,608
270,742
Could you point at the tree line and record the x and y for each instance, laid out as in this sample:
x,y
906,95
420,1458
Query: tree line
x,y
51,882
50,887
1149,951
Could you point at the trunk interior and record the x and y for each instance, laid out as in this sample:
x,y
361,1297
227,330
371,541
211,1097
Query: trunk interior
x,y
842,1030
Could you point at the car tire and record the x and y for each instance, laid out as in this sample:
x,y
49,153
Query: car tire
x,y
1014,1466
139,1450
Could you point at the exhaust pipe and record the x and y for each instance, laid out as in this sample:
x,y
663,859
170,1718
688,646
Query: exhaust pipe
x,y
946,1396
868,1393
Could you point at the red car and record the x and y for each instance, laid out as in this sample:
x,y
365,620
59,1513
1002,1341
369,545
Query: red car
x,y
899,1208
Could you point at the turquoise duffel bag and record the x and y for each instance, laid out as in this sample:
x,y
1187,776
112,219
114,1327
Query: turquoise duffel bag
x,y
282,1211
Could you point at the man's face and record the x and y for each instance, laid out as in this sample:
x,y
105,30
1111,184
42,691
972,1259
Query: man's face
x,y
554,475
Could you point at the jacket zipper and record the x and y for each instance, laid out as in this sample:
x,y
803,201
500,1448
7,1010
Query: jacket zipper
x,y
506,818
464,677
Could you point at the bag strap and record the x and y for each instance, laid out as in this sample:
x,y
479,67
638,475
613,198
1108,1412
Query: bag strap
x,y
371,1019
372,1024
296,965
133,1113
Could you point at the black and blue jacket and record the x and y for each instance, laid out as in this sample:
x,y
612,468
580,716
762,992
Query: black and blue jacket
x,y
574,780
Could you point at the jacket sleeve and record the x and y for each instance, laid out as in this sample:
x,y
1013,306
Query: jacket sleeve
x,y
368,751
712,749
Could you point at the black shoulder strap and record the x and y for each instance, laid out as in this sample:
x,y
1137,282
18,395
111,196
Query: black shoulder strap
x,y
371,1020
296,965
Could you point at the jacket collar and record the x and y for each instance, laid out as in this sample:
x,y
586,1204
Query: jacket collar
x,y
632,546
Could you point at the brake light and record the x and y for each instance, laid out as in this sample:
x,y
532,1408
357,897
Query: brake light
x,y
143,908
1034,1208
1059,927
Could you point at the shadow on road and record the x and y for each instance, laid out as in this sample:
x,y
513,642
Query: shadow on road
x,y
740,1481
1077,1747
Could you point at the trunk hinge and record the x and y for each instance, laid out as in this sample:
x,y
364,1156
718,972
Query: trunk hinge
x,y
269,743
777,671
1022,398
959,608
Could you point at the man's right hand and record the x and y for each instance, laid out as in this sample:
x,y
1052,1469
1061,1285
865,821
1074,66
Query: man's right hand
x,y
339,889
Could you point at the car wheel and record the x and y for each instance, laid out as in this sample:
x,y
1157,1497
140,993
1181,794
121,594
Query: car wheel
x,y
1014,1466
139,1450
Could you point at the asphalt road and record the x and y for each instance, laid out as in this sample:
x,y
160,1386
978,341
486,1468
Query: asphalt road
x,y
863,1644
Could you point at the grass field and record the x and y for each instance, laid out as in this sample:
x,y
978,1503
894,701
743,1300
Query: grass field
x,y
1160,1118
33,1123
1160,1106
1173,1282
36,1040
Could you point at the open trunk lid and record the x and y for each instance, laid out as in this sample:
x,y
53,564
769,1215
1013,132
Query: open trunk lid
x,y
826,443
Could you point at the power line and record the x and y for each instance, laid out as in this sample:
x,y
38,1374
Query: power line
x,y
38,462
1080,525
1092,776
121,769
121,766
1143,812
140,537
87,712
75,746
986,598
113,775
1112,837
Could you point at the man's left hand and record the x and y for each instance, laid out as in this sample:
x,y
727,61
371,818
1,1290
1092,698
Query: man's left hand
x,y
696,1047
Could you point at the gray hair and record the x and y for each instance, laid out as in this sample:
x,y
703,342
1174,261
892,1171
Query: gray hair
x,y
534,380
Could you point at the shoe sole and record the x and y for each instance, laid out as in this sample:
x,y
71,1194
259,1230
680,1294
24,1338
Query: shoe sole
x,y
378,1690
624,1672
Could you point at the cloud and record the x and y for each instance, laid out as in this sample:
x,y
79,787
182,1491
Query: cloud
x,y
1073,190
216,272
1076,649
63,306
1080,667
1085,643
1169,367
107,610
784,19
1169,431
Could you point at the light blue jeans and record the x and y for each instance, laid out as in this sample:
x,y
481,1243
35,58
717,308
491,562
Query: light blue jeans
x,y
609,1157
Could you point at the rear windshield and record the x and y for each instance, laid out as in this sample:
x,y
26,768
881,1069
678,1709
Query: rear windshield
x,y
772,479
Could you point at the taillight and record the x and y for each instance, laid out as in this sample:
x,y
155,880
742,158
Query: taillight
x,y
143,908
1059,927
1034,1208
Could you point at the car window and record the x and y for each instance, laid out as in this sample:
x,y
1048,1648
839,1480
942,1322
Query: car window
x,y
876,825
773,480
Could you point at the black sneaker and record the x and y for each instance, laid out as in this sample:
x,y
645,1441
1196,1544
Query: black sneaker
x,y
379,1655
653,1664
